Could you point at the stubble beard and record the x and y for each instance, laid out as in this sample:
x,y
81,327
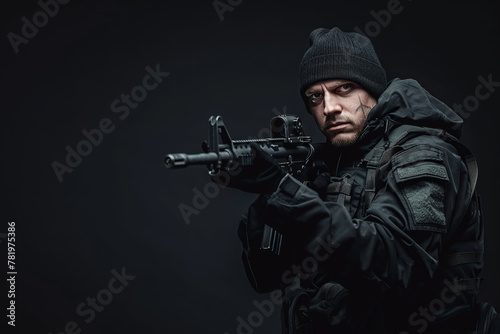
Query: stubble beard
x,y
346,141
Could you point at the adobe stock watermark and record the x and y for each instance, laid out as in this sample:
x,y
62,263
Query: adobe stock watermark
x,y
221,7
30,28
482,92
121,107
211,189
291,277
87,309
420,320
382,19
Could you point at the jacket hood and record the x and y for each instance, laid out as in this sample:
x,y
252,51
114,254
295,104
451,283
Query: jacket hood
x,y
403,102
406,102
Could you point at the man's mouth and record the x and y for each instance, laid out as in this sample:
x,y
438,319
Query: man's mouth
x,y
336,126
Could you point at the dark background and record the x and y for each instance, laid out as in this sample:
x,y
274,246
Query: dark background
x,y
119,207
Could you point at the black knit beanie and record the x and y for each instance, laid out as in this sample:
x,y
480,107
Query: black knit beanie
x,y
334,54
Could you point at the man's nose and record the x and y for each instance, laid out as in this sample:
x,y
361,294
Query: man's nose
x,y
331,104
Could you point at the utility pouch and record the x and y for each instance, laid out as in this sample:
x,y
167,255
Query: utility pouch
x,y
295,313
329,309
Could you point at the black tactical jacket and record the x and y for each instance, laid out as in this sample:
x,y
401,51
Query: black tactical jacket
x,y
404,259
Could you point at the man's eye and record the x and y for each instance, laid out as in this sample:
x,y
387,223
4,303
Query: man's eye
x,y
345,88
315,96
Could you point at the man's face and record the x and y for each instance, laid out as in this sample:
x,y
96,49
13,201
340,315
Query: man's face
x,y
340,108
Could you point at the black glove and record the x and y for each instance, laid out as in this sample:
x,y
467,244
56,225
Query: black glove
x,y
262,177
264,269
317,177
251,226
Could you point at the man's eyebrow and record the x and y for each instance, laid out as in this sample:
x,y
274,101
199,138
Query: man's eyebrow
x,y
312,91
329,86
339,83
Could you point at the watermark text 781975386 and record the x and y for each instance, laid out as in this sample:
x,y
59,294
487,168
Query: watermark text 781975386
x,y
11,273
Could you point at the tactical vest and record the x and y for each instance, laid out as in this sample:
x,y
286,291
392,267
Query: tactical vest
x,y
355,189
357,186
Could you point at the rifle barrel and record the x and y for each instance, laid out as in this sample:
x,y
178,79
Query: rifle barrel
x,y
179,160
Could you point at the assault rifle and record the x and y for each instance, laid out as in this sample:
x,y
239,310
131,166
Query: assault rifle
x,y
287,144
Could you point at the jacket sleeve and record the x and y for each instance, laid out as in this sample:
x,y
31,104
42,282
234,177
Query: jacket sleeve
x,y
423,192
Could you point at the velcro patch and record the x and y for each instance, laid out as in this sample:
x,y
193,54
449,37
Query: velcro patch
x,y
422,186
421,169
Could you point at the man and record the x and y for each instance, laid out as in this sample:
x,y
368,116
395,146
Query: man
x,y
382,233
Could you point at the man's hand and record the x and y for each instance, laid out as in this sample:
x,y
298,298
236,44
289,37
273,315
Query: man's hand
x,y
262,177
317,177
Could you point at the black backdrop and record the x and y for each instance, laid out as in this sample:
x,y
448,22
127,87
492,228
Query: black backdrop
x,y
118,209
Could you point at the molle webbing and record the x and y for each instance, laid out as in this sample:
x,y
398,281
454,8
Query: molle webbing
x,y
343,188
